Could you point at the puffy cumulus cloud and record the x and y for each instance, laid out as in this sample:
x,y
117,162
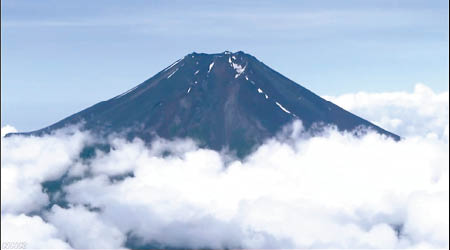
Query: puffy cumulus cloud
x,y
126,156
31,231
8,129
422,112
27,162
329,191
426,211
295,191
84,229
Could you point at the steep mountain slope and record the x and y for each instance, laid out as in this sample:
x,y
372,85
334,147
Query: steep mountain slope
x,y
225,100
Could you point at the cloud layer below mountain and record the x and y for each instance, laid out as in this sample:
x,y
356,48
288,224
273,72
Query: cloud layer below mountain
x,y
422,112
332,190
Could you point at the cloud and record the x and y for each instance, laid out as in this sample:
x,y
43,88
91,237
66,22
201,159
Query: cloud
x,y
84,229
8,129
426,211
33,231
329,191
27,162
323,192
285,21
422,112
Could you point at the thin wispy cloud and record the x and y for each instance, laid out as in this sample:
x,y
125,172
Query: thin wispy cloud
x,y
265,19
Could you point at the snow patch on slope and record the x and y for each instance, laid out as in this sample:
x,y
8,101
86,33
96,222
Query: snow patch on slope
x,y
172,74
211,66
128,91
262,92
283,108
173,64
239,69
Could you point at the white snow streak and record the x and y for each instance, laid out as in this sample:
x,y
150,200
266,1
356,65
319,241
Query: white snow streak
x,y
239,69
283,108
173,64
262,92
128,91
210,66
172,73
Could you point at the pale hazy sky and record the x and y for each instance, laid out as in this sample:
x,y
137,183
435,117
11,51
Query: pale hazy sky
x,y
59,57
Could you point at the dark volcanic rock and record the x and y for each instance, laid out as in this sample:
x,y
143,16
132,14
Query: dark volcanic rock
x,y
226,100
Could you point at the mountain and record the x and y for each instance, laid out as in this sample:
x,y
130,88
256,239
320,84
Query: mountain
x,y
225,100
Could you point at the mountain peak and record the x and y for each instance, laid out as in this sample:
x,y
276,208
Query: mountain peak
x,y
225,53
224,100
227,65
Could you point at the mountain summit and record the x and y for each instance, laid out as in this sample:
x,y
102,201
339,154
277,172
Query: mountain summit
x,y
225,100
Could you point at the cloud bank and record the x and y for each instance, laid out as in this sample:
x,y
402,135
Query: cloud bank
x,y
8,129
329,191
421,112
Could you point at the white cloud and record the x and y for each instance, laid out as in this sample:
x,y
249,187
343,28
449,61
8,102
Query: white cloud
x,y
84,229
422,112
32,231
26,162
334,190
426,213
330,191
8,129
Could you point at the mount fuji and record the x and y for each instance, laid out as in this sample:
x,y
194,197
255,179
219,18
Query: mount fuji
x,y
223,101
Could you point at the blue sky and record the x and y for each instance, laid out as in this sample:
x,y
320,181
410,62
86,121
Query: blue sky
x,y
59,57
